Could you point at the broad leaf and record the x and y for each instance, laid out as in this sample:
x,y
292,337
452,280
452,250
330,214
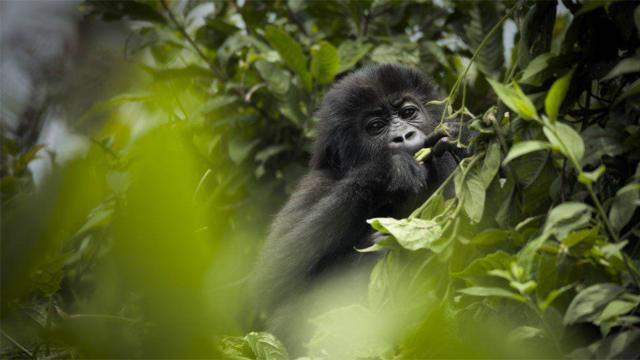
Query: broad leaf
x,y
625,66
567,217
515,99
566,140
492,291
350,52
524,333
588,303
412,234
290,51
325,62
480,268
525,147
556,95
254,345
490,237
624,205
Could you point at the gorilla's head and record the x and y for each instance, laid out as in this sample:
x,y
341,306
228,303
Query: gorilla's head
x,y
371,113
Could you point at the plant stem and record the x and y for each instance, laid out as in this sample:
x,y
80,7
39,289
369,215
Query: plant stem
x,y
17,344
476,53
547,328
191,42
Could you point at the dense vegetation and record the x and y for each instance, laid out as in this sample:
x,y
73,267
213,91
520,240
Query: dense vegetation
x,y
141,247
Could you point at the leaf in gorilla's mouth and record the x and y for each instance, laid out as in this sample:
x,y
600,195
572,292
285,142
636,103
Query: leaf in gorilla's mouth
x,y
422,153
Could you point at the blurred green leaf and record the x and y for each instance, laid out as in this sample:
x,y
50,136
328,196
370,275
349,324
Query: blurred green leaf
x,y
278,79
239,149
254,345
492,291
411,234
325,62
624,205
290,51
589,302
479,268
350,52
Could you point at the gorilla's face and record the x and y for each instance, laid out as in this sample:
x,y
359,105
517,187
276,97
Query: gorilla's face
x,y
397,124
371,114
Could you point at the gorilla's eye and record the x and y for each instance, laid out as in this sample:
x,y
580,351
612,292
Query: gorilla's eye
x,y
375,126
407,112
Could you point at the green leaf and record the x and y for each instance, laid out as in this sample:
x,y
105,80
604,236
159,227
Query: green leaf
x,y
566,140
325,62
515,99
625,66
483,15
491,164
624,205
350,52
618,307
623,345
412,234
266,153
525,147
561,220
536,67
524,287
556,95
290,51
576,237
387,242
239,149
254,345
395,54
470,190
479,268
589,177
278,79
567,217
490,237
478,178
422,153
590,5
631,90
522,333
492,291
553,295
588,303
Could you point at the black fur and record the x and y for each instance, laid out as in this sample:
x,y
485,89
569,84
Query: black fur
x,y
353,177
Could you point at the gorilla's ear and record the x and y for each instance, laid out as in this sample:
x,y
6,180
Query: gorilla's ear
x,y
326,154
334,151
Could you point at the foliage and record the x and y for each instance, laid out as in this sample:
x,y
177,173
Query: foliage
x,y
539,245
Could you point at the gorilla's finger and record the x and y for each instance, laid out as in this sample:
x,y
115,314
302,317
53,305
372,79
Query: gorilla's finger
x,y
444,145
433,138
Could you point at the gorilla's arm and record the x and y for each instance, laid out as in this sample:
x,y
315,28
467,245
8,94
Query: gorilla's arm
x,y
323,221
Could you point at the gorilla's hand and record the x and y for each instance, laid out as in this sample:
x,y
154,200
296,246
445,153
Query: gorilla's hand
x,y
443,140
407,174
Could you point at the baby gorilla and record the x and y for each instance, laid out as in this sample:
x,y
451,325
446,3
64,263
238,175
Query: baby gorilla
x,y
371,124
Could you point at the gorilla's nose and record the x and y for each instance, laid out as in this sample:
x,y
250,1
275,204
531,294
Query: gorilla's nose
x,y
410,141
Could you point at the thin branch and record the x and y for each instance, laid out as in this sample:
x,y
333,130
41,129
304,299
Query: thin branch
x,y
190,40
17,344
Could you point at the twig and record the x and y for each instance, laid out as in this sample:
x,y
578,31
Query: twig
x,y
191,42
17,344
